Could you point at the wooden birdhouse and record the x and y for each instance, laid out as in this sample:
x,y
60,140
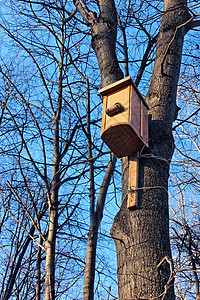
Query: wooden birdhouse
x,y
124,120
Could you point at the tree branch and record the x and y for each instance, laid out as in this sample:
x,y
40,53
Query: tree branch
x,y
104,187
25,209
26,229
88,16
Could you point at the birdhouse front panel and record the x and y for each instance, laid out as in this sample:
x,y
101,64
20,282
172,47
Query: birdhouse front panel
x,y
111,100
124,120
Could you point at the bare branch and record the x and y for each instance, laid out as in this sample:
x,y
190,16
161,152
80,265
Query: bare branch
x,y
195,24
34,61
194,113
25,209
88,16
25,229
104,187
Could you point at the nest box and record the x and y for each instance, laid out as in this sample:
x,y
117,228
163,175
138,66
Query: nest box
x,y
124,126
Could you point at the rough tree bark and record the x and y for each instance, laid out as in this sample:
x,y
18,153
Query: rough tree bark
x,y
144,233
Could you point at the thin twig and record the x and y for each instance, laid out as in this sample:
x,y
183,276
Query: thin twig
x,y
25,229
25,209
170,43
171,277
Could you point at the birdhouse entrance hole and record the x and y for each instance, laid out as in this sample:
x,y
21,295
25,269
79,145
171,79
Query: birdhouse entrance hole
x,y
115,109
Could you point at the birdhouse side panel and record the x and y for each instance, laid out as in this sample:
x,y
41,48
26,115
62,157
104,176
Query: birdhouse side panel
x,y
135,112
144,124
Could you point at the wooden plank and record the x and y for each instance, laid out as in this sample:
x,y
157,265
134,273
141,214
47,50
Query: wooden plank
x,y
135,111
133,182
122,97
144,125
116,86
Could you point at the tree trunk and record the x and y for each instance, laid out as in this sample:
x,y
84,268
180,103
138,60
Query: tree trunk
x,y
89,274
16,269
50,256
88,289
38,267
50,243
142,236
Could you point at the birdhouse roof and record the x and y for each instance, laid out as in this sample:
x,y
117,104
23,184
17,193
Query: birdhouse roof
x,y
113,87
